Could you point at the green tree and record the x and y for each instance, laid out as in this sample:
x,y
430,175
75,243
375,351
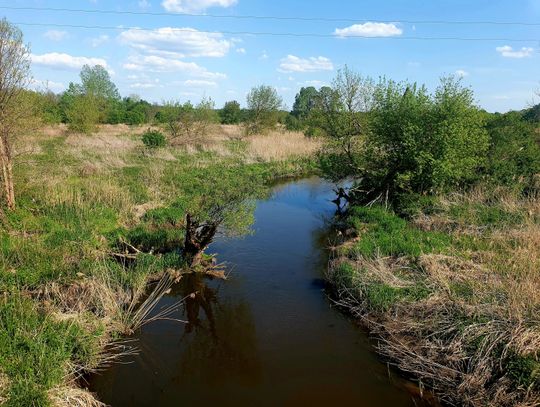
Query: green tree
x,y
187,123
96,80
341,114
422,143
231,113
304,102
97,95
264,106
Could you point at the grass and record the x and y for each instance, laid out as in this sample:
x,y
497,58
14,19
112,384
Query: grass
x,y
453,292
82,198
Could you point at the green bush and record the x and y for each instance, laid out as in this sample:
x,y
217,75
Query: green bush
x,y
154,139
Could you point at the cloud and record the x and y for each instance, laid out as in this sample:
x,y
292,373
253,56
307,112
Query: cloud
x,y
143,85
152,63
55,35
263,56
177,42
508,52
144,4
369,29
241,50
292,63
61,61
191,6
461,73
97,41
199,83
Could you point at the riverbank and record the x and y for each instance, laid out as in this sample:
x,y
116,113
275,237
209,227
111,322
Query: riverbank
x,y
451,293
84,203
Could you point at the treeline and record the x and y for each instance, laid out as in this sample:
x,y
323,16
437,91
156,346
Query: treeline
x,y
96,100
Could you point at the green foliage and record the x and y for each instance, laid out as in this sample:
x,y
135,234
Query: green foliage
x,y
382,297
82,113
186,122
264,106
231,113
97,82
523,370
341,114
421,143
385,234
514,155
292,123
305,101
154,139
35,350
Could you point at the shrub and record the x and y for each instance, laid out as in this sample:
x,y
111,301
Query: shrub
x,y
154,139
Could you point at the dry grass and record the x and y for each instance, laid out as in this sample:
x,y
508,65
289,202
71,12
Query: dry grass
x,y
72,396
4,385
281,145
481,313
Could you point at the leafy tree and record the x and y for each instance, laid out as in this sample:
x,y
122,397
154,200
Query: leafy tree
x,y
187,123
264,106
231,113
82,113
96,94
17,106
97,81
304,102
341,113
422,143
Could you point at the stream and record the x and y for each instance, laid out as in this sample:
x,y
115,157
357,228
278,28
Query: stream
x,y
266,336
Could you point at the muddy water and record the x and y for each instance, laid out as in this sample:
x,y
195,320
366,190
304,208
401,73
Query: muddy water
x,y
268,336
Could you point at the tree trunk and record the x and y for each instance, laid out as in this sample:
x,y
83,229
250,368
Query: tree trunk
x,y
198,237
7,174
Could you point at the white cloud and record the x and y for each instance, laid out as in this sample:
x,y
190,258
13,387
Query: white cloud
x,y
461,73
369,29
292,63
97,41
264,56
199,83
177,42
241,50
154,63
190,6
143,85
144,4
57,60
508,52
55,35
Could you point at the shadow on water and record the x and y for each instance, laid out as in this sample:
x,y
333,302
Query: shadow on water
x,y
268,335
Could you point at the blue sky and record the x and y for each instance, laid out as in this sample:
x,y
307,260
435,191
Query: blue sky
x,y
162,62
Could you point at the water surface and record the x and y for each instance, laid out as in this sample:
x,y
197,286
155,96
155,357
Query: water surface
x,y
267,336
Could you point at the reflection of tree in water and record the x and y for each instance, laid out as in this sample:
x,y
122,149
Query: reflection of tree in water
x,y
219,340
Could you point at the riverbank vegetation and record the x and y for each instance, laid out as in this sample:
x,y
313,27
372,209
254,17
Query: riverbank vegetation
x,y
439,254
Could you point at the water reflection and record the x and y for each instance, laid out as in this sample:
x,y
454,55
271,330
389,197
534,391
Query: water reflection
x,y
219,339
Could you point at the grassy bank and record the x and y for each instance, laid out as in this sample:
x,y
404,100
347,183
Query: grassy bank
x,y
83,202
451,292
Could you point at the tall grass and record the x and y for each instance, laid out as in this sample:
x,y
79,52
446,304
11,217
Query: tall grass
x,y
453,294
